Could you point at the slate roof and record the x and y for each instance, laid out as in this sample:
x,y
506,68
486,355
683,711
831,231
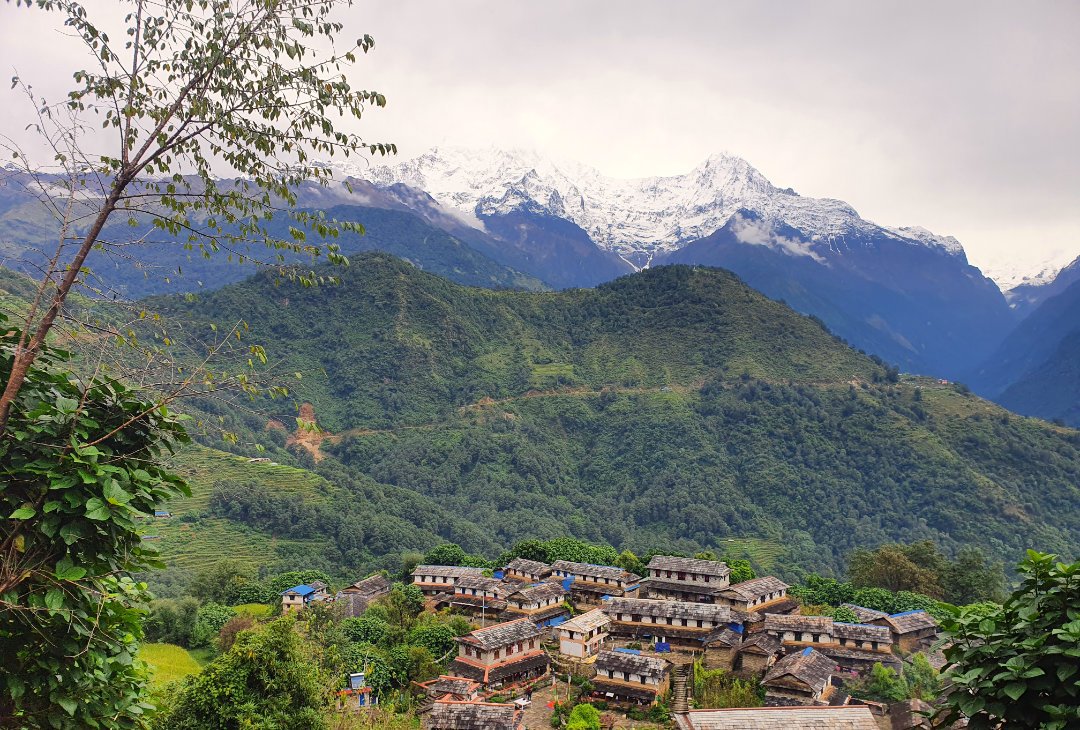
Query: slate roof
x,y
537,593
447,684
908,621
499,635
810,667
595,571
472,716
586,622
789,622
851,717
862,632
625,690
532,567
371,586
757,587
864,614
355,603
690,565
446,571
481,583
619,661
761,643
725,636
666,609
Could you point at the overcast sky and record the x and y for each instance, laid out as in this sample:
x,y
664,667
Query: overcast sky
x,y
960,117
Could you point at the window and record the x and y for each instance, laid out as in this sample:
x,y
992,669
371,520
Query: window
x,y
626,676
532,643
496,653
699,624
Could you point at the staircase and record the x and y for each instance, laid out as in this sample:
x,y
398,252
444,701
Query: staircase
x,y
680,689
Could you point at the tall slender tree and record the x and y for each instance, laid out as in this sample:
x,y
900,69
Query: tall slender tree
x,y
256,90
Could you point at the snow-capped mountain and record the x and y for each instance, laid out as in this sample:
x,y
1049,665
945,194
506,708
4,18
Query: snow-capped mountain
x,y
642,218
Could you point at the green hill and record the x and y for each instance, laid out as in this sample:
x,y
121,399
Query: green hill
x,y
674,408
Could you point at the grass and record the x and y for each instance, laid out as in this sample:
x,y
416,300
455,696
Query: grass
x,y
763,553
254,610
168,662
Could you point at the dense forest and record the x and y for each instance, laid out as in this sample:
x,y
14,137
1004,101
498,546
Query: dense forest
x,y
675,408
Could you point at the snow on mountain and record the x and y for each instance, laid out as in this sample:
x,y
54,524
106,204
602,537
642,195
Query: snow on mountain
x,y
1011,271
636,218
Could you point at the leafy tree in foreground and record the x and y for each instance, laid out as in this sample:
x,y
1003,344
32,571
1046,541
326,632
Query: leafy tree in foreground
x,y
266,680
78,466
190,87
1018,665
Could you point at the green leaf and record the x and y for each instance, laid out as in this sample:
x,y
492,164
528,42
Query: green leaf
x,y
1015,689
68,704
54,599
23,513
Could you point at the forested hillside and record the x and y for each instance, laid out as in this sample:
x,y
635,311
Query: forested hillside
x,y
672,408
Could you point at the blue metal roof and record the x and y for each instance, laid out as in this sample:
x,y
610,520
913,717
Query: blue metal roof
x,y
807,650
303,590
907,613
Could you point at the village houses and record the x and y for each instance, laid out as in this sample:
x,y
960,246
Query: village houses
x,y
477,596
685,579
623,676
849,717
505,653
454,715
358,597
526,571
434,579
911,630
298,597
591,583
543,603
758,594
582,636
802,678
678,624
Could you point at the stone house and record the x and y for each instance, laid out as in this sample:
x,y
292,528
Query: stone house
x,y
454,715
433,579
851,717
505,653
477,595
447,687
721,648
680,624
856,647
802,678
911,630
540,603
863,614
757,653
797,629
582,636
357,597
526,571
631,678
758,594
591,583
685,579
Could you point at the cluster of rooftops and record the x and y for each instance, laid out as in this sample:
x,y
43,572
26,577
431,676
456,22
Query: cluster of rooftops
x,y
595,612
599,613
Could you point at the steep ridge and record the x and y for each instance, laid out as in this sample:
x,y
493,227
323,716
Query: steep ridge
x,y
912,306
676,407
1026,298
1034,371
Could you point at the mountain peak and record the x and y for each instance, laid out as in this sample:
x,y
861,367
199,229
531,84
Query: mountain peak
x,y
636,218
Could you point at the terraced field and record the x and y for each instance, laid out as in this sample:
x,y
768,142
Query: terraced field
x,y
190,540
762,553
